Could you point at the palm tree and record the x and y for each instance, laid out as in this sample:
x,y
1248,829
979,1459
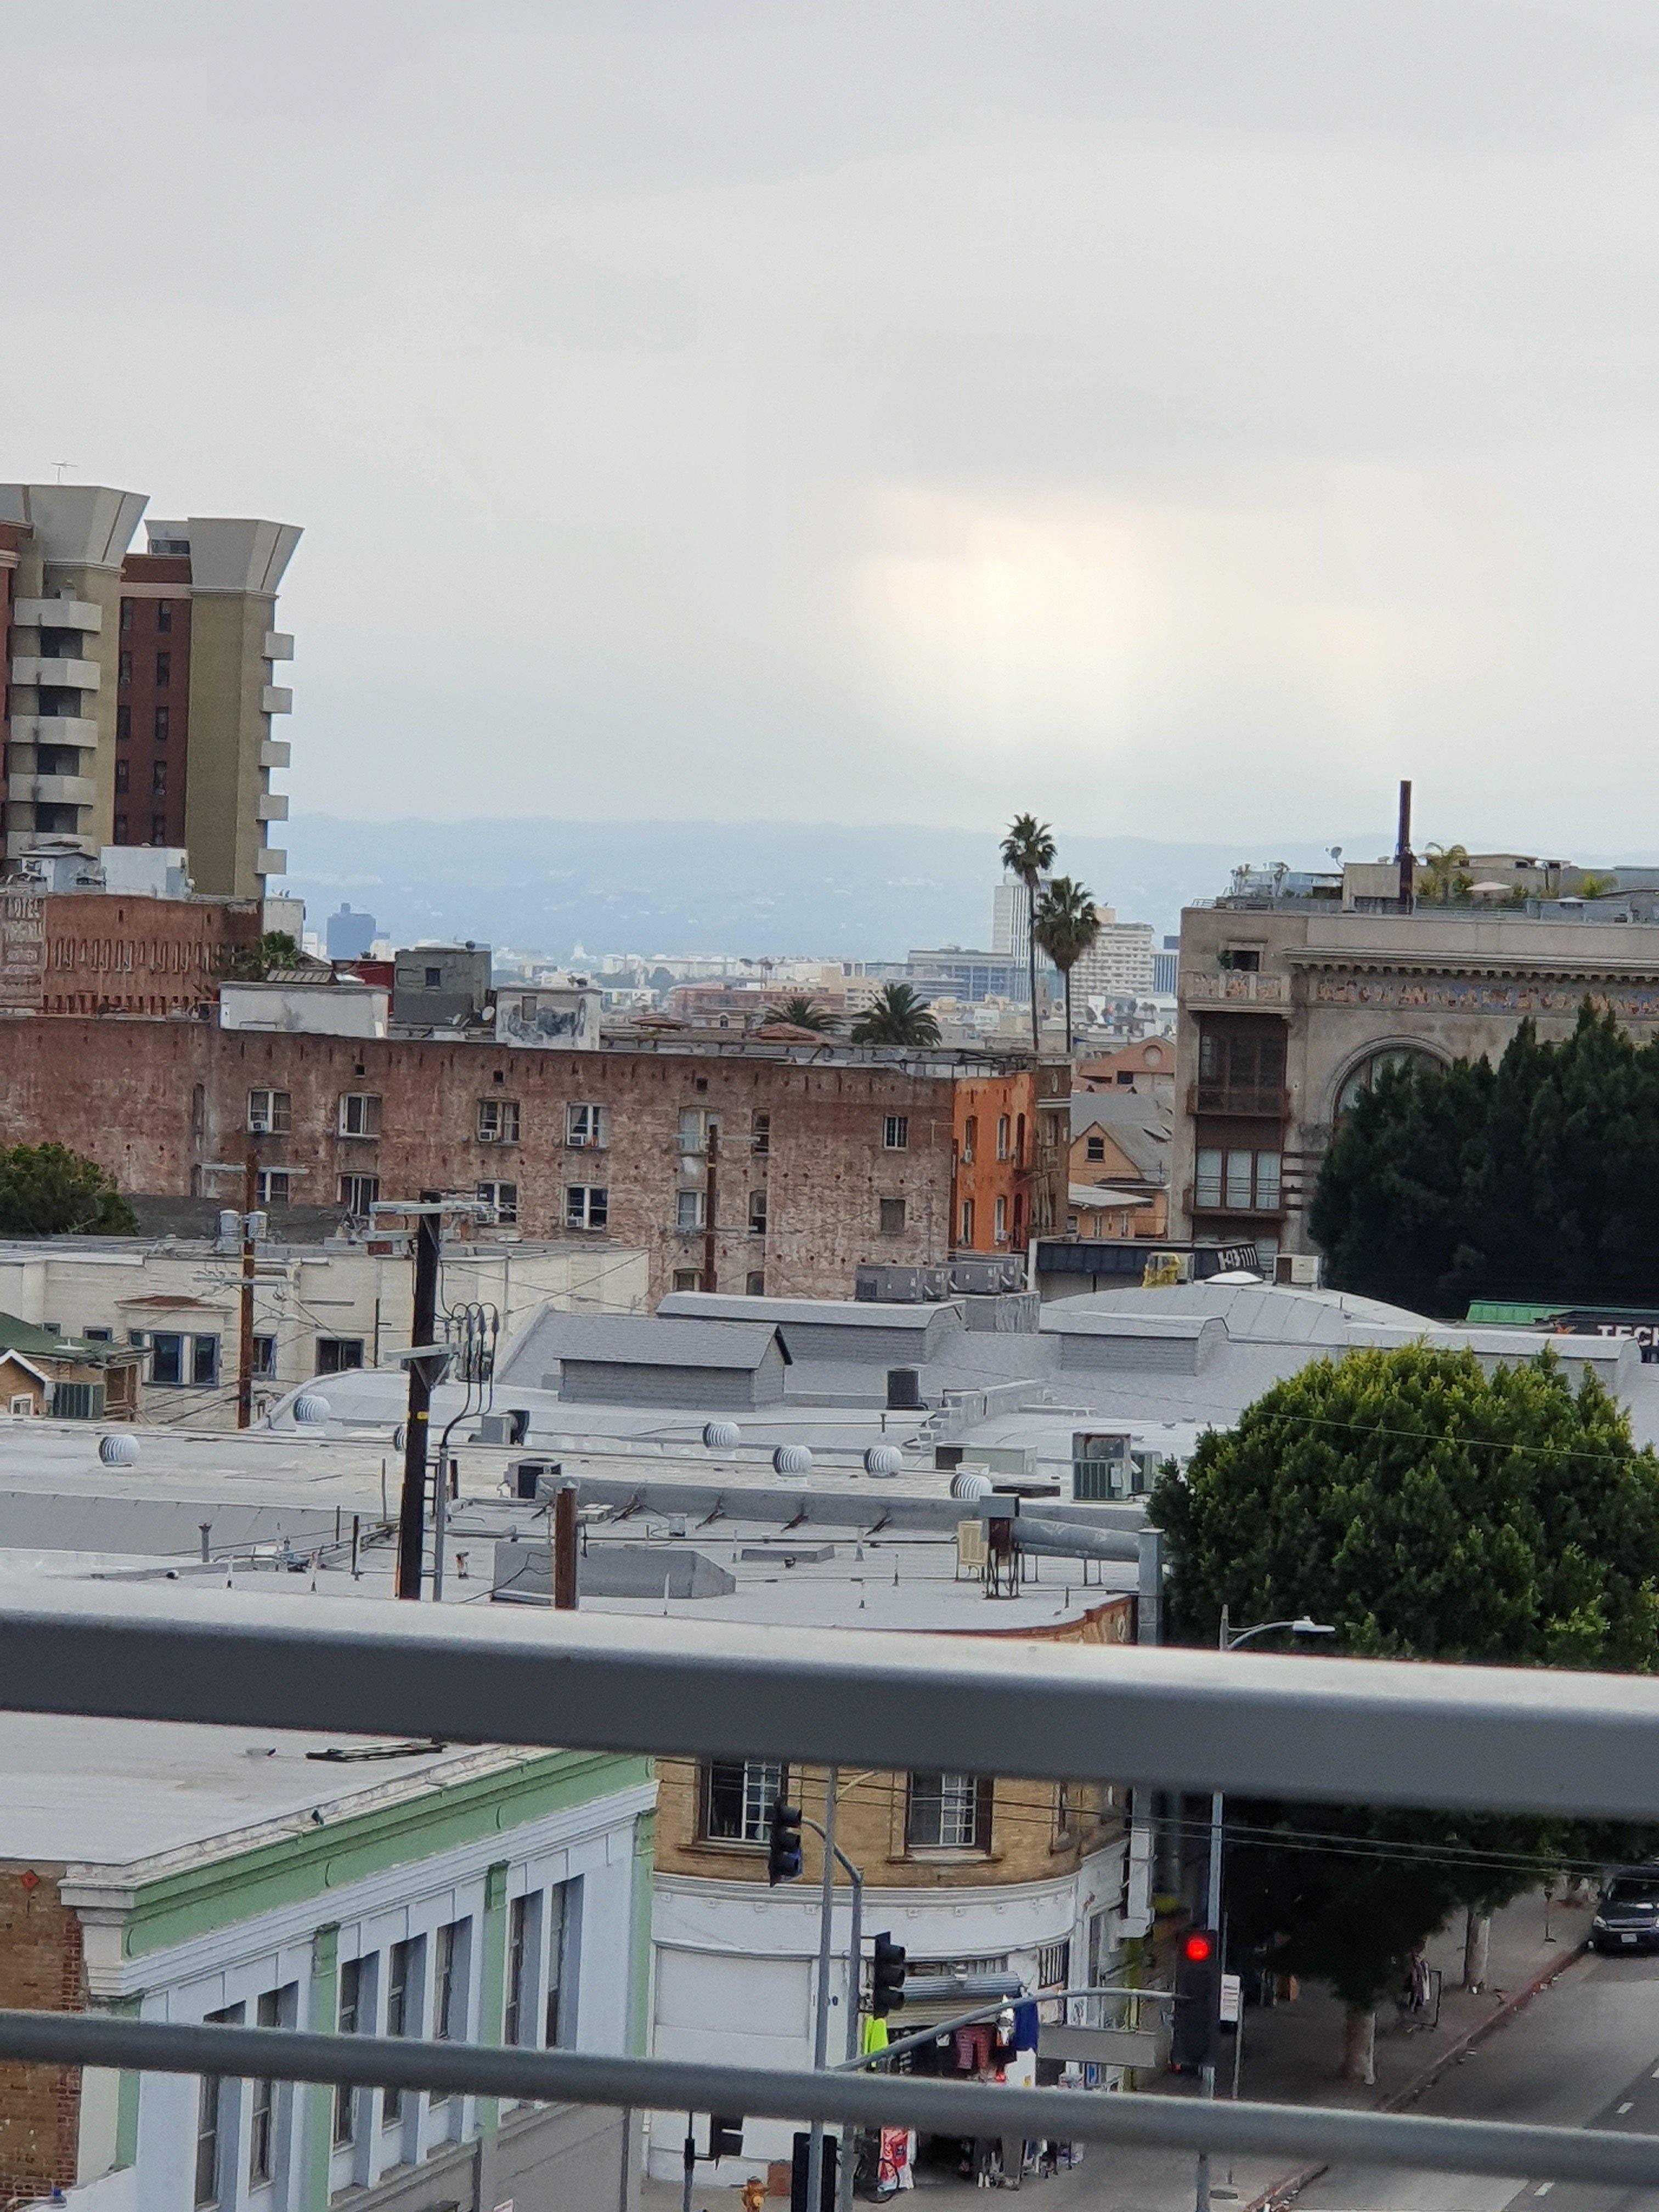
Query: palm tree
x,y
897,1017
1446,875
1028,852
802,1013
1066,924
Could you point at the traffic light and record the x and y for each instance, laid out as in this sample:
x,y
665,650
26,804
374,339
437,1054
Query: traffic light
x,y
887,1977
725,2137
783,1847
1197,2027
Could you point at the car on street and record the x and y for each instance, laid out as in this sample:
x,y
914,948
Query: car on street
x,y
1627,1913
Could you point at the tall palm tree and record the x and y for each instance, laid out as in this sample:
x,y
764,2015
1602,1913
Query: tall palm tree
x,y
897,1017
802,1013
1028,852
1066,924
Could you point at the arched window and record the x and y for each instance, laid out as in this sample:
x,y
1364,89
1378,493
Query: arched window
x,y
1362,1076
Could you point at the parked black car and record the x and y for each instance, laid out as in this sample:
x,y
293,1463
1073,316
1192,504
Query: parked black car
x,y
1627,1913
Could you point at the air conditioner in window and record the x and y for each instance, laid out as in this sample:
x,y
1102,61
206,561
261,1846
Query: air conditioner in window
x,y
260,1124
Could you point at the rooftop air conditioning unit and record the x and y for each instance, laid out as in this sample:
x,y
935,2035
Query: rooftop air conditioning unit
x,y
973,1550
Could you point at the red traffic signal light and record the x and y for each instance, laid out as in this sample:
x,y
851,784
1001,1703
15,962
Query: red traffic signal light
x,y
1198,1947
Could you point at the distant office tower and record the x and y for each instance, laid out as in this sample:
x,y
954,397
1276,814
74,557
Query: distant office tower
x,y
140,690
349,935
1164,967
1119,964
1011,916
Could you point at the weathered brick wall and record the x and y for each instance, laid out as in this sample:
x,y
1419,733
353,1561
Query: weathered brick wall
x,y
41,1971
139,955
158,1102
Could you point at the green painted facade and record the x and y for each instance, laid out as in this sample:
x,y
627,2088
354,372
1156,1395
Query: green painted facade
x,y
307,1864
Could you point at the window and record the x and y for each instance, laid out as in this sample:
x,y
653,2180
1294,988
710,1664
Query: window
x,y
449,1988
167,1356
754,1284
892,1217
690,1209
434,978
688,1278
948,1813
120,829
498,1120
265,1356
360,1193
1054,1964
399,1992
209,2108
967,1236
161,726
158,829
502,1196
273,1187
164,615
78,1401
757,1214
1365,1076
696,1125
269,1113
560,1928
350,2023
1095,1147
586,1205
1241,1060
896,1133
1002,1136
22,1403
126,615
360,1114
120,777
262,2102
969,1139
738,1797
583,1127
999,1221
123,667
99,1335
158,778
339,1355
1237,1181
123,724
521,1920
204,1362
163,669
760,1134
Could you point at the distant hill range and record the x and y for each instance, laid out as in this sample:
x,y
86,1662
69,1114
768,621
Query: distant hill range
x,y
745,888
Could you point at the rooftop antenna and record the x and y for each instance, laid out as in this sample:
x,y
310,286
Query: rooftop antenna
x,y
61,465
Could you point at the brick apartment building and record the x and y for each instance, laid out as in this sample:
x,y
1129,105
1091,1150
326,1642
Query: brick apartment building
x,y
138,692
819,1160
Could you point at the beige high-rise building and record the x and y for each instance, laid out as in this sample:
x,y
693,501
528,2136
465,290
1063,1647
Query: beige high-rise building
x,y
141,683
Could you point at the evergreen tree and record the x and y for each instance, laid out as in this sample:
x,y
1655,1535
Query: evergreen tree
x,y
48,1190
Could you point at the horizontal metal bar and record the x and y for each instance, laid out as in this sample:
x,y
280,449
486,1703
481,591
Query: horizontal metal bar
x,y
1175,2122
1385,1732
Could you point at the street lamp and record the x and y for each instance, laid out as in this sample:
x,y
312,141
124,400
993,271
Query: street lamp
x,y
1229,1640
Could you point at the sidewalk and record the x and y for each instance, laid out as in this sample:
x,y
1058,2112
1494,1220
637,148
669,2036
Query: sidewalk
x,y
1291,2055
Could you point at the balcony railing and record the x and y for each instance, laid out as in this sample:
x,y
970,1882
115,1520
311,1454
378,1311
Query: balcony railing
x,y
1370,1731
1266,1102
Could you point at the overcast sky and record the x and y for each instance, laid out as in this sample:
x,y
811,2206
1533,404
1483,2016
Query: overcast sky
x,y
1179,419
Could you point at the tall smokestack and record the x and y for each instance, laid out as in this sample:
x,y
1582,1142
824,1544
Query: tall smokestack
x,y
1402,850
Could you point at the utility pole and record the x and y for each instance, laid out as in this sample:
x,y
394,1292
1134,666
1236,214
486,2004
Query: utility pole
x,y
820,2025
245,1326
712,1149
411,1516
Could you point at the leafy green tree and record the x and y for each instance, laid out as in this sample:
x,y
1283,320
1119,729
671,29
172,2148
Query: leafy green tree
x,y
803,1013
48,1190
897,1017
1028,852
257,963
1538,1179
1424,1510
1066,924
1445,874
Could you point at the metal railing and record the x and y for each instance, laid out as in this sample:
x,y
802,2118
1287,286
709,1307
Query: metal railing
x,y
1381,1732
